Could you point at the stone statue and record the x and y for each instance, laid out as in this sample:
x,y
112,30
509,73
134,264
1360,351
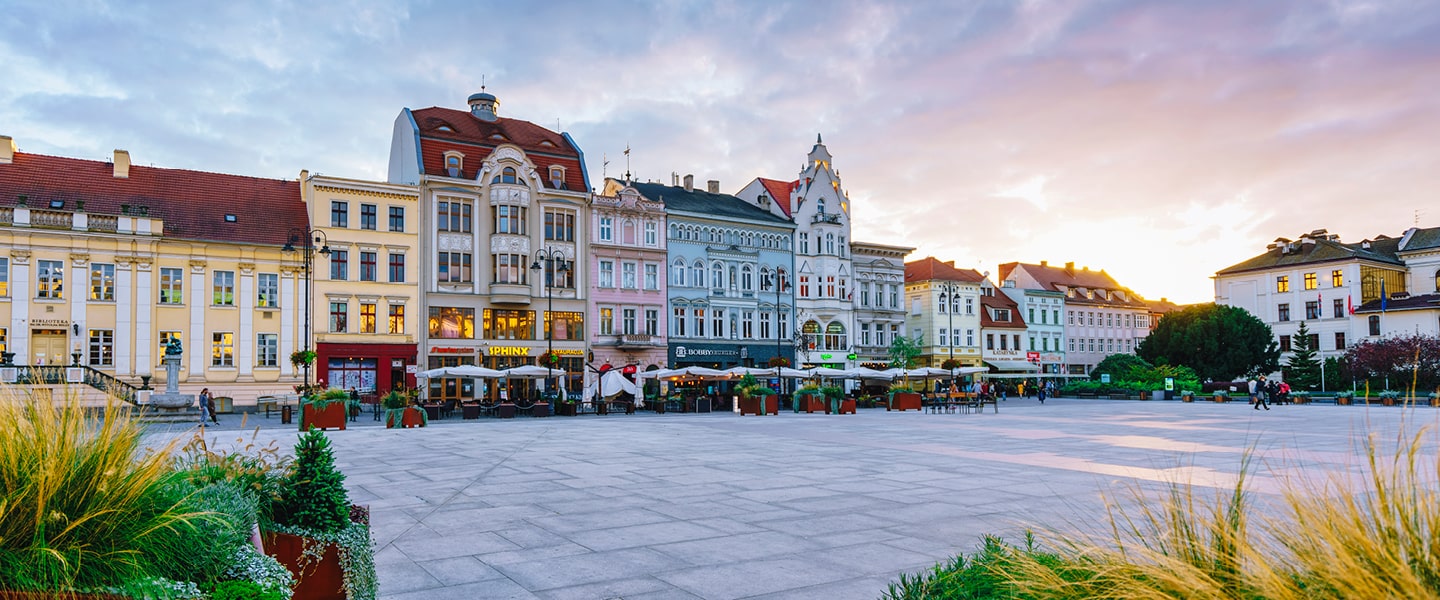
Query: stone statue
x,y
173,348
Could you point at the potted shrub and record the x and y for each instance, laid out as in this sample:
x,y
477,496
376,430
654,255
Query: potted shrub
x,y
1434,399
902,398
778,361
325,410
401,413
755,398
1187,396
810,399
1344,398
1388,397
568,407
316,534
302,358
1221,396
1300,397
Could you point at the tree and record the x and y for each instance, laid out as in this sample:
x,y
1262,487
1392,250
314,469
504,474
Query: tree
x,y
1219,342
903,351
1303,370
1399,362
1121,367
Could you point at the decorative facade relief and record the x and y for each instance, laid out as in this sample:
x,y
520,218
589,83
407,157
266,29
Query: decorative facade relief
x,y
509,194
509,244
453,242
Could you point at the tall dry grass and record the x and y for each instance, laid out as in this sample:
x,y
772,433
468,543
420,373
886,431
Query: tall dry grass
x,y
82,505
1329,537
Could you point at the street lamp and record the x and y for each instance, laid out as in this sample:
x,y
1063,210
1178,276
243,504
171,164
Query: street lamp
x,y
948,297
310,237
554,263
776,280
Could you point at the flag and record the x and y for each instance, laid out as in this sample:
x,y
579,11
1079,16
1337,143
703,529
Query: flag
x,y
1383,299
1350,304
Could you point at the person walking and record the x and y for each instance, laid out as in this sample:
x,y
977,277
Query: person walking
x,y
1040,393
207,403
1257,393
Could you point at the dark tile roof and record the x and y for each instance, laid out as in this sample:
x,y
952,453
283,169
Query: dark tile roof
x,y
476,139
1421,302
779,192
1423,239
193,204
931,268
1054,278
1382,249
720,206
1000,301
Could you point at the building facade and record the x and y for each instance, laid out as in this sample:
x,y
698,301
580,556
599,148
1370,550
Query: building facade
x,y
1044,327
1101,316
1002,330
105,263
503,207
879,300
944,311
729,289
366,294
628,266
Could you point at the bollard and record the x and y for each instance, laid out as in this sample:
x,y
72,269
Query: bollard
x,y
285,414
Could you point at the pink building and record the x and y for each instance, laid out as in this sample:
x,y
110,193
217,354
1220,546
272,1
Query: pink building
x,y
627,284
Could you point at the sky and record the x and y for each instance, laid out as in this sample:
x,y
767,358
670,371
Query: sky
x,y
1159,141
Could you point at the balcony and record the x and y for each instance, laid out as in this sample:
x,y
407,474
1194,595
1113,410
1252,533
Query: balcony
x,y
636,340
510,293
833,218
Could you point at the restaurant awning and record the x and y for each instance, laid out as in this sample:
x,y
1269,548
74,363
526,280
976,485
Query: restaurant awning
x,y
1013,365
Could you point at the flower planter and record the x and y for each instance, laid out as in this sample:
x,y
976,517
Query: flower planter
x,y
330,417
541,409
565,409
1343,401
760,405
314,580
1387,401
1187,398
469,412
811,404
1219,398
505,410
847,406
409,417
904,401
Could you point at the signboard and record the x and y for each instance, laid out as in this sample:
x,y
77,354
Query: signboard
x,y
1169,384
1032,356
852,356
412,369
451,350
1104,378
509,351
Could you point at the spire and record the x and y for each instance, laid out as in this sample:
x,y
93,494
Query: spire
x,y
817,139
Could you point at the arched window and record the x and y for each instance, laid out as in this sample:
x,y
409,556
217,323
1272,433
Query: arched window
x,y
697,275
835,336
677,273
507,175
747,278
811,330
717,275
765,281
820,206
1437,280
944,300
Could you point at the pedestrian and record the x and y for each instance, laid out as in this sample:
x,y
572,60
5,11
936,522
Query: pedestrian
x,y
1040,393
208,402
1257,393
1272,392
1284,393
204,410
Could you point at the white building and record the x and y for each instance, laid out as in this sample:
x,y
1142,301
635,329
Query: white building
x,y
879,300
1044,326
1102,317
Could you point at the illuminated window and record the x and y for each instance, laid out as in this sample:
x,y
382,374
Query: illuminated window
x,y
102,281
222,349
452,323
102,347
50,275
1282,283
367,317
397,318
1311,281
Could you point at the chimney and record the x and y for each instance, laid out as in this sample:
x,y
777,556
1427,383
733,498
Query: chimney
x,y
1044,263
1069,267
7,149
689,183
713,186
122,164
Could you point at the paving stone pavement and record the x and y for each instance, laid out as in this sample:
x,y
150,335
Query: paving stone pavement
x,y
790,506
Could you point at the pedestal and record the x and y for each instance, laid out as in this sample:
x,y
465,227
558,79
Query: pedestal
x,y
171,398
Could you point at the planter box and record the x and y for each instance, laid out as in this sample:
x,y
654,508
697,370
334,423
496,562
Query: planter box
x,y
904,401
541,409
760,405
320,580
1343,401
505,410
470,411
1222,398
1187,398
847,406
410,417
566,409
811,404
331,417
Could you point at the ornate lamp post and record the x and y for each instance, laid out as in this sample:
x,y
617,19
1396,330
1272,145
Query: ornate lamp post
x,y
948,296
776,281
549,262
310,238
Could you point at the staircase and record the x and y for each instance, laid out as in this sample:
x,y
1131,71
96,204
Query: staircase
x,y
75,375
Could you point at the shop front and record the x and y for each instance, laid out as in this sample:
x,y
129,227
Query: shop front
x,y
366,368
725,356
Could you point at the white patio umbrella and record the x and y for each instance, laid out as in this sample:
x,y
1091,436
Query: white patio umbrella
x,y
432,373
471,371
868,373
531,372
928,372
794,373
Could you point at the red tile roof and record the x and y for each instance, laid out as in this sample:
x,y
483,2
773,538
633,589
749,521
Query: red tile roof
x,y
1054,278
930,268
780,192
476,139
193,204
999,300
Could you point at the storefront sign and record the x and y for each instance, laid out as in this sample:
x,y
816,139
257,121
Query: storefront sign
x,y
569,352
1052,357
683,352
49,322
451,350
1003,353
510,351
1032,356
397,362
412,369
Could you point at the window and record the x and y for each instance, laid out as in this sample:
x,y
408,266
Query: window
x,y
507,175
223,289
367,317
1282,283
267,350
804,243
166,336
559,225
1031,316
1337,278
268,295
171,286
339,214
1090,317
397,319
102,281
894,295
699,323
652,233
989,341
915,306
51,277
222,349
677,273
339,265
940,306
1284,313
627,321
1311,281
4,277
1071,315
1312,309
864,293
1284,343
864,334
1339,340
678,318
969,306
509,219
652,321
397,268
1002,315
369,214
697,275
717,323
453,216
1374,321
652,277
1337,308
607,229
509,324
627,276
717,276
747,278
607,320
830,243
367,266
397,219
453,267
452,323
607,274
1055,317
102,347
944,336
339,316
1031,347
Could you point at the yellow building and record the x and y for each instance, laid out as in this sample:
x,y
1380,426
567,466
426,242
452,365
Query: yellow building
x,y
101,263
365,300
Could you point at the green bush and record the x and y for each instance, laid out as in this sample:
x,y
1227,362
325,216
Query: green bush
x,y
832,392
313,497
982,575
205,548
244,590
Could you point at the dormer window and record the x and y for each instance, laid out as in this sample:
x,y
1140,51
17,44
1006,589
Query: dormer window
x,y
547,144
557,177
820,206
496,136
1002,315
507,175
454,163
446,128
